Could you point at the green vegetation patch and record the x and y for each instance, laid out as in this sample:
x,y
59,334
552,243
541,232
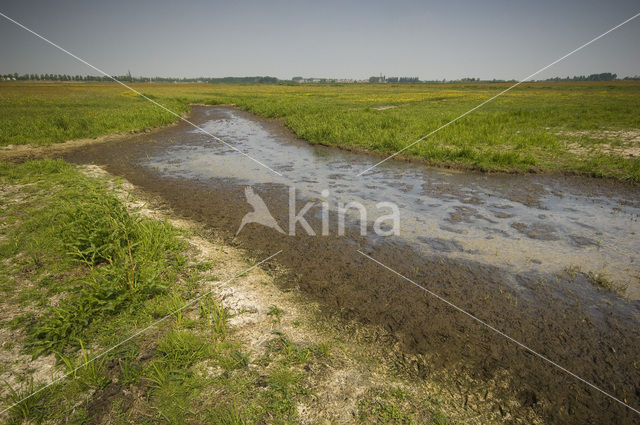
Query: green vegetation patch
x,y
590,128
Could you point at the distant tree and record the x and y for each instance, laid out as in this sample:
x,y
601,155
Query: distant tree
x,y
268,80
605,76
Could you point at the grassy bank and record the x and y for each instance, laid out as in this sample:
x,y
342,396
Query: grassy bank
x,y
587,128
82,270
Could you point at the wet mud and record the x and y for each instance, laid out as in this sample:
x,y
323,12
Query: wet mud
x,y
497,250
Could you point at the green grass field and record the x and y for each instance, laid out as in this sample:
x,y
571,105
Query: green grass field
x,y
586,128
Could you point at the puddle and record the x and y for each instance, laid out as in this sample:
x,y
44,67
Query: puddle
x,y
521,223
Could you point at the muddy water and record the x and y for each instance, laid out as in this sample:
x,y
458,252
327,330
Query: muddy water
x,y
494,245
541,225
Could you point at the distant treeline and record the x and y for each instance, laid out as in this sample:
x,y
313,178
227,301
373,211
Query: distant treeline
x,y
130,79
383,79
605,76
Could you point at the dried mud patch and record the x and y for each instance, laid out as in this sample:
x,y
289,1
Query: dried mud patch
x,y
625,143
19,370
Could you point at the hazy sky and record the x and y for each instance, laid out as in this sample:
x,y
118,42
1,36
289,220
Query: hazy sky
x,y
432,40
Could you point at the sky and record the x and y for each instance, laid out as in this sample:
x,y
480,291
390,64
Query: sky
x,y
447,39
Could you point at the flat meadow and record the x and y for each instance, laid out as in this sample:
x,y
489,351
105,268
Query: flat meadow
x,y
129,305
590,128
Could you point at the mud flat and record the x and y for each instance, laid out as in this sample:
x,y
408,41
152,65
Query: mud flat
x,y
515,251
